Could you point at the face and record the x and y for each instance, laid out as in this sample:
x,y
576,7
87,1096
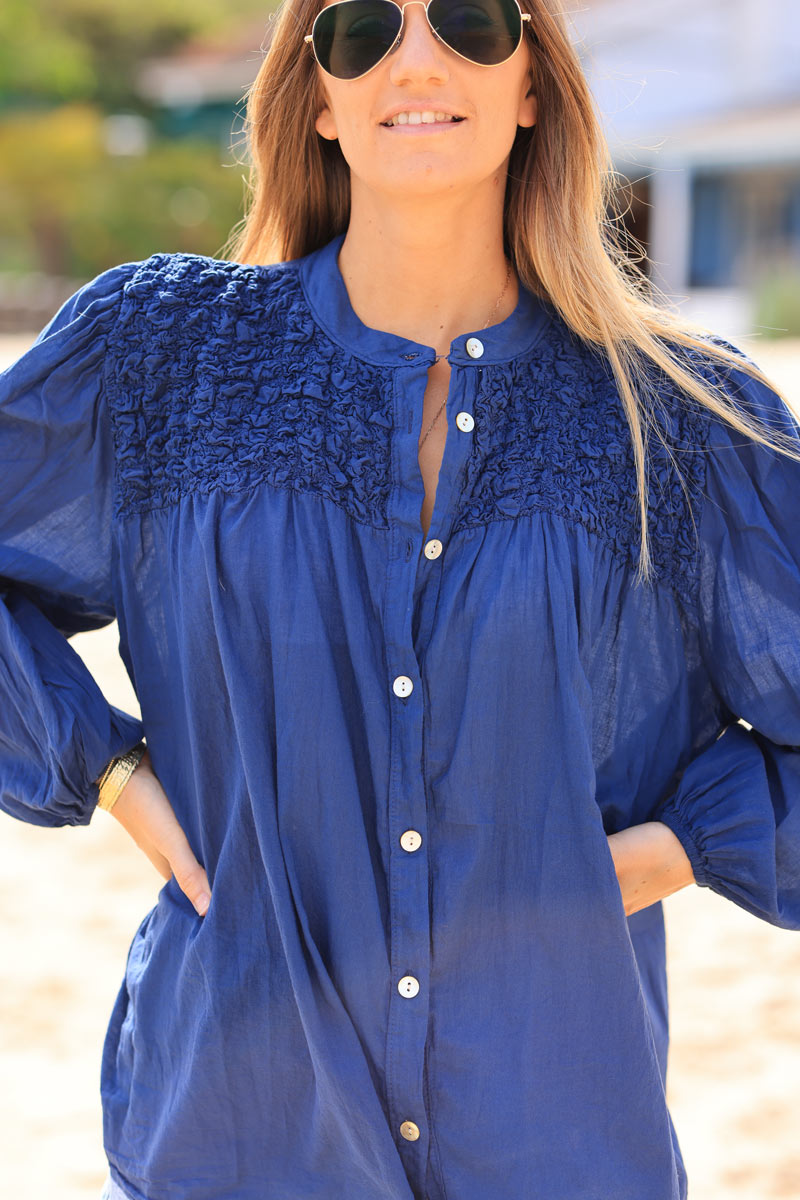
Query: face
x,y
423,74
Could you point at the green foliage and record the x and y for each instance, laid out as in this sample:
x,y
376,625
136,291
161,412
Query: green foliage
x,y
68,208
777,301
38,58
60,50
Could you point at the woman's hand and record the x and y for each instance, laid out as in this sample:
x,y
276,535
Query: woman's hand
x,y
142,808
650,863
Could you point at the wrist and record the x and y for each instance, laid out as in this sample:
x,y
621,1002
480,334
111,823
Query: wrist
x,y
117,775
677,865
650,863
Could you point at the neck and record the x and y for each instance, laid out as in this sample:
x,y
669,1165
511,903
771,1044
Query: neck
x,y
423,278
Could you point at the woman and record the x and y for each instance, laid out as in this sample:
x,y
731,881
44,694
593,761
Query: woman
x,y
442,556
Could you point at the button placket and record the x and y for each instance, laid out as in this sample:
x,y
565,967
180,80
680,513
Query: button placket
x,y
410,602
408,867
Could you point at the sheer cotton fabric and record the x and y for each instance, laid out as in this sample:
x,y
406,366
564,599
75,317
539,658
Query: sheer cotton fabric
x,y
397,755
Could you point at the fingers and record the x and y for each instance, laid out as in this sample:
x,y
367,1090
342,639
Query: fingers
x,y
190,876
144,810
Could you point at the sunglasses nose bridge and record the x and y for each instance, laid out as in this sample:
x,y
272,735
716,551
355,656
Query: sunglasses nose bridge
x,y
425,4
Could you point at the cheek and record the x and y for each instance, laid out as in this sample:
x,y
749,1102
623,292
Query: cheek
x,y
347,119
355,140
499,129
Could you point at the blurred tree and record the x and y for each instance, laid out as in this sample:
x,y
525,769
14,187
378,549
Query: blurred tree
x,y
777,299
67,208
53,51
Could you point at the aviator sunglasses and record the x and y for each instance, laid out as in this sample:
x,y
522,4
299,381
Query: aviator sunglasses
x,y
351,37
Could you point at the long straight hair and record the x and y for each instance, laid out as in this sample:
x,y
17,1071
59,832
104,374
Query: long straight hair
x,y
563,227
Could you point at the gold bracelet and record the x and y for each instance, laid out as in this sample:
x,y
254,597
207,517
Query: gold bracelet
x,y
104,774
116,775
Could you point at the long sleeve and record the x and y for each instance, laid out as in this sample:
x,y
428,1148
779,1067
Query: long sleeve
x,y
736,809
57,731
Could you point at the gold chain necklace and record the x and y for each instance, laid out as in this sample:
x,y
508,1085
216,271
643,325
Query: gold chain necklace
x,y
498,302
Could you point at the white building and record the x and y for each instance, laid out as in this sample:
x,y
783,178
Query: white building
x,y
701,106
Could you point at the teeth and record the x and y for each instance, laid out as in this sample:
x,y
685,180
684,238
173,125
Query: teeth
x,y
419,118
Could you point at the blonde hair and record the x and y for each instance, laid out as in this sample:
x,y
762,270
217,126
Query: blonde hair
x,y
562,225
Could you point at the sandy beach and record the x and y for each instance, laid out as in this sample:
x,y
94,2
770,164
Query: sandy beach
x,y
72,898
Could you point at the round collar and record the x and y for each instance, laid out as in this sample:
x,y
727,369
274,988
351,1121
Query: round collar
x,y
328,299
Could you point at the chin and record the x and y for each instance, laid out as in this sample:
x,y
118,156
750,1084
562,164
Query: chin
x,y
422,177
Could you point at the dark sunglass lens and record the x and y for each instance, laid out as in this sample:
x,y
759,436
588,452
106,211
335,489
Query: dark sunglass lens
x,y
484,31
351,37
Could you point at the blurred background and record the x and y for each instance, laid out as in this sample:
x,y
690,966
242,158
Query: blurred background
x,y
121,135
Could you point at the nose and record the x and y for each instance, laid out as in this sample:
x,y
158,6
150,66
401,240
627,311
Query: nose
x,y
419,53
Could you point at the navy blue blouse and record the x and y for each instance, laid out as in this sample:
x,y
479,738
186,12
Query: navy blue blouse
x,y
397,755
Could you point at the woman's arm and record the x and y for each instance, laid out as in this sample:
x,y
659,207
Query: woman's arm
x,y
144,811
651,863
736,806
57,731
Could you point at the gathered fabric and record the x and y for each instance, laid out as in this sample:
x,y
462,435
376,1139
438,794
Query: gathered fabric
x,y
397,754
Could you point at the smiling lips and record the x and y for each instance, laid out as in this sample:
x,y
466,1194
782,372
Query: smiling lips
x,y
426,117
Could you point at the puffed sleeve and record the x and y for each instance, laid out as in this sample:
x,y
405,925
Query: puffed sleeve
x,y
57,731
736,809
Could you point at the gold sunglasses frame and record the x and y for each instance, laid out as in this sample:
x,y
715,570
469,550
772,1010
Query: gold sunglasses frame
x,y
309,37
